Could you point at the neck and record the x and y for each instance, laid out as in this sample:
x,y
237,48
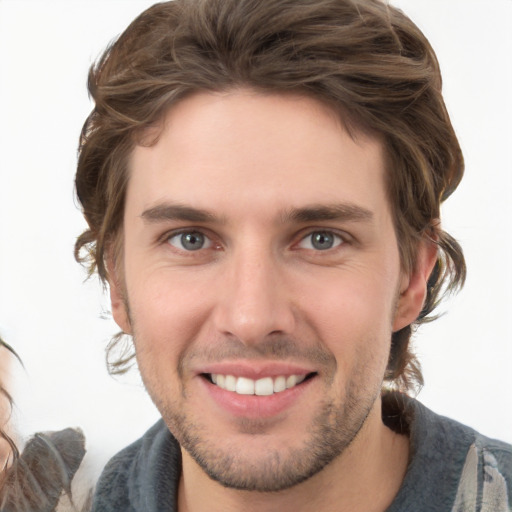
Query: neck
x,y
376,460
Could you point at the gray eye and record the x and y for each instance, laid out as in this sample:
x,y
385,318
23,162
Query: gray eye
x,y
320,241
190,241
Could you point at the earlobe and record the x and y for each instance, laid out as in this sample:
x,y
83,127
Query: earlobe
x,y
117,299
413,290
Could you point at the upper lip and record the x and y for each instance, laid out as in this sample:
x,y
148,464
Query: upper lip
x,y
255,369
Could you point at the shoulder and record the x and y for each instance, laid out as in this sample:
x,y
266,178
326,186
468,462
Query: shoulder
x,y
452,467
456,437
131,479
481,467
500,451
485,482
110,492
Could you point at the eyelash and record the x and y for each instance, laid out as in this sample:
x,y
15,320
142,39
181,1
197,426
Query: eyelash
x,y
339,239
191,231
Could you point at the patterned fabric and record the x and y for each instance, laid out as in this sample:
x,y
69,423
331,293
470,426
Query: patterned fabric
x,y
452,468
488,494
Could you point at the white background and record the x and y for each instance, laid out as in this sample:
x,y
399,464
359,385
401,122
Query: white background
x,y
54,319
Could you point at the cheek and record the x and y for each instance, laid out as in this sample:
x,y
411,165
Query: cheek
x,y
350,301
166,312
353,318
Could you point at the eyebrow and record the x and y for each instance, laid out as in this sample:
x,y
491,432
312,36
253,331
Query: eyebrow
x,y
164,212
313,213
346,212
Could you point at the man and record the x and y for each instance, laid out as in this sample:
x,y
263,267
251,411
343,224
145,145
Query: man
x,y
262,183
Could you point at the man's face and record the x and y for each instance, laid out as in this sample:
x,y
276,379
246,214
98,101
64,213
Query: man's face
x,y
261,281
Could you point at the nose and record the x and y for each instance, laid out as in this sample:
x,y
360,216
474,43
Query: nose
x,y
254,301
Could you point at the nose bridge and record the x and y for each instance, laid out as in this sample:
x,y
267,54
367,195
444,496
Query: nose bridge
x,y
254,302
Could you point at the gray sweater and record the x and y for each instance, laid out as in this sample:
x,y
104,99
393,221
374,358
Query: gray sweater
x,y
452,467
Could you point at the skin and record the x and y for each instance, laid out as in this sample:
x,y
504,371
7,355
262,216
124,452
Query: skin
x,y
268,174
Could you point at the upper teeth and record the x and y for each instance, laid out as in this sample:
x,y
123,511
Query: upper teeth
x,y
261,387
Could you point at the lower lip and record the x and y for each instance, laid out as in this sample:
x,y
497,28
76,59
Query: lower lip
x,y
254,406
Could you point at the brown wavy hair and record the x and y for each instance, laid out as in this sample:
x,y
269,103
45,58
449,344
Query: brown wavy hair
x,y
5,396
363,58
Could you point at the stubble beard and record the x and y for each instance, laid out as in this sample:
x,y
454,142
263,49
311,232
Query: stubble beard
x,y
331,432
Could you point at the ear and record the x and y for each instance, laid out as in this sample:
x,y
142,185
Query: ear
x,y
413,287
117,298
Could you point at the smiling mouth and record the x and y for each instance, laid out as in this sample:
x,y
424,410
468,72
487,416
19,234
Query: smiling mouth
x,y
265,386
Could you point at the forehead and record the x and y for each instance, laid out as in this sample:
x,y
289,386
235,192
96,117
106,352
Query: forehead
x,y
247,151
